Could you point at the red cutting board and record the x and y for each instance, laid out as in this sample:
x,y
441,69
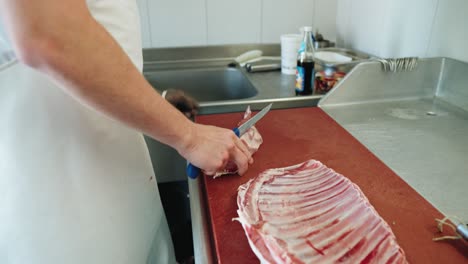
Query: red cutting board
x,y
292,136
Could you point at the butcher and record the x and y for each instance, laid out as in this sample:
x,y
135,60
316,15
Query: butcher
x,y
76,181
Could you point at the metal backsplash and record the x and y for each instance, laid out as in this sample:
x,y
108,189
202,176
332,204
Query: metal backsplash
x,y
416,122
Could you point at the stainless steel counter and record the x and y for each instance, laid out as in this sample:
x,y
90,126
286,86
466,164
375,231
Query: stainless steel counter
x,y
416,122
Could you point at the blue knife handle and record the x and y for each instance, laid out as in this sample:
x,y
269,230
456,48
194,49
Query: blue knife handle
x,y
236,131
193,171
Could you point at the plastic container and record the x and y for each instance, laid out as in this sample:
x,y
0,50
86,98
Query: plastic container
x,y
290,44
332,64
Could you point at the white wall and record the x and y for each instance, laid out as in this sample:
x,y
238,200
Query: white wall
x,y
174,23
450,30
398,28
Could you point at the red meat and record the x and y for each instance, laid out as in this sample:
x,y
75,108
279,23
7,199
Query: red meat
x,y
252,139
308,213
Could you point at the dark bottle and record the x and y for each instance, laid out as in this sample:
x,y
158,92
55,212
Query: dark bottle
x,y
305,74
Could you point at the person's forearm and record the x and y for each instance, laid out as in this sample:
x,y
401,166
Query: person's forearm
x,y
61,39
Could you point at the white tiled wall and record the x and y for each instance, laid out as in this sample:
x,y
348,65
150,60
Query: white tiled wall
x,y
175,23
398,28
361,26
233,21
325,18
172,23
279,17
449,36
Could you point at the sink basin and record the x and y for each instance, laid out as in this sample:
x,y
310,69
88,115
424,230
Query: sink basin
x,y
205,85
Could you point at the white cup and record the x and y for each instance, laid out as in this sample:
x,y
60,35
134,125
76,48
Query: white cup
x,y
290,44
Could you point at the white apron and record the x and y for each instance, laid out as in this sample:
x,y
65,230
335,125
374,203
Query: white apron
x,y
75,186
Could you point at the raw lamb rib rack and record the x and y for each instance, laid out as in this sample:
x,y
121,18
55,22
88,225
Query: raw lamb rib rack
x,y
308,213
252,139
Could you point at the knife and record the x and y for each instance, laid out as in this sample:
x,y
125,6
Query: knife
x,y
193,171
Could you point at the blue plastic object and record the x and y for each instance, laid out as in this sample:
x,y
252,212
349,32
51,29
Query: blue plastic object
x,y
236,131
192,171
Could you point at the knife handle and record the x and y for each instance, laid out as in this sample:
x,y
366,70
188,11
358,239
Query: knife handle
x,y
193,171
236,131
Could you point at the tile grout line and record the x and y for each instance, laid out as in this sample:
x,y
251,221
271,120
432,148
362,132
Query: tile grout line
x,y
314,6
261,22
346,40
431,32
206,22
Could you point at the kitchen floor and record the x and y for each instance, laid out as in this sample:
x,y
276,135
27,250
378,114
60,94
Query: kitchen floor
x,y
176,203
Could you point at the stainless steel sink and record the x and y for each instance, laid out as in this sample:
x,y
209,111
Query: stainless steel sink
x,y
205,85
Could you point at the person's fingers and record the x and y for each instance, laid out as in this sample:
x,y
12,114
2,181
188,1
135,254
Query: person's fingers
x,y
243,147
241,155
220,163
250,153
209,173
216,149
224,161
241,160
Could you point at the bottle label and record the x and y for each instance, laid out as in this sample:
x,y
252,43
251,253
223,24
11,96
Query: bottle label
x,y
302,48
300,75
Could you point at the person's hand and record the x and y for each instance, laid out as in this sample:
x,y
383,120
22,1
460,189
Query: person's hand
x,y
186,104
210,148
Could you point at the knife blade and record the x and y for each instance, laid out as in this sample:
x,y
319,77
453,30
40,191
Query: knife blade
x,y
239,131
193,171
